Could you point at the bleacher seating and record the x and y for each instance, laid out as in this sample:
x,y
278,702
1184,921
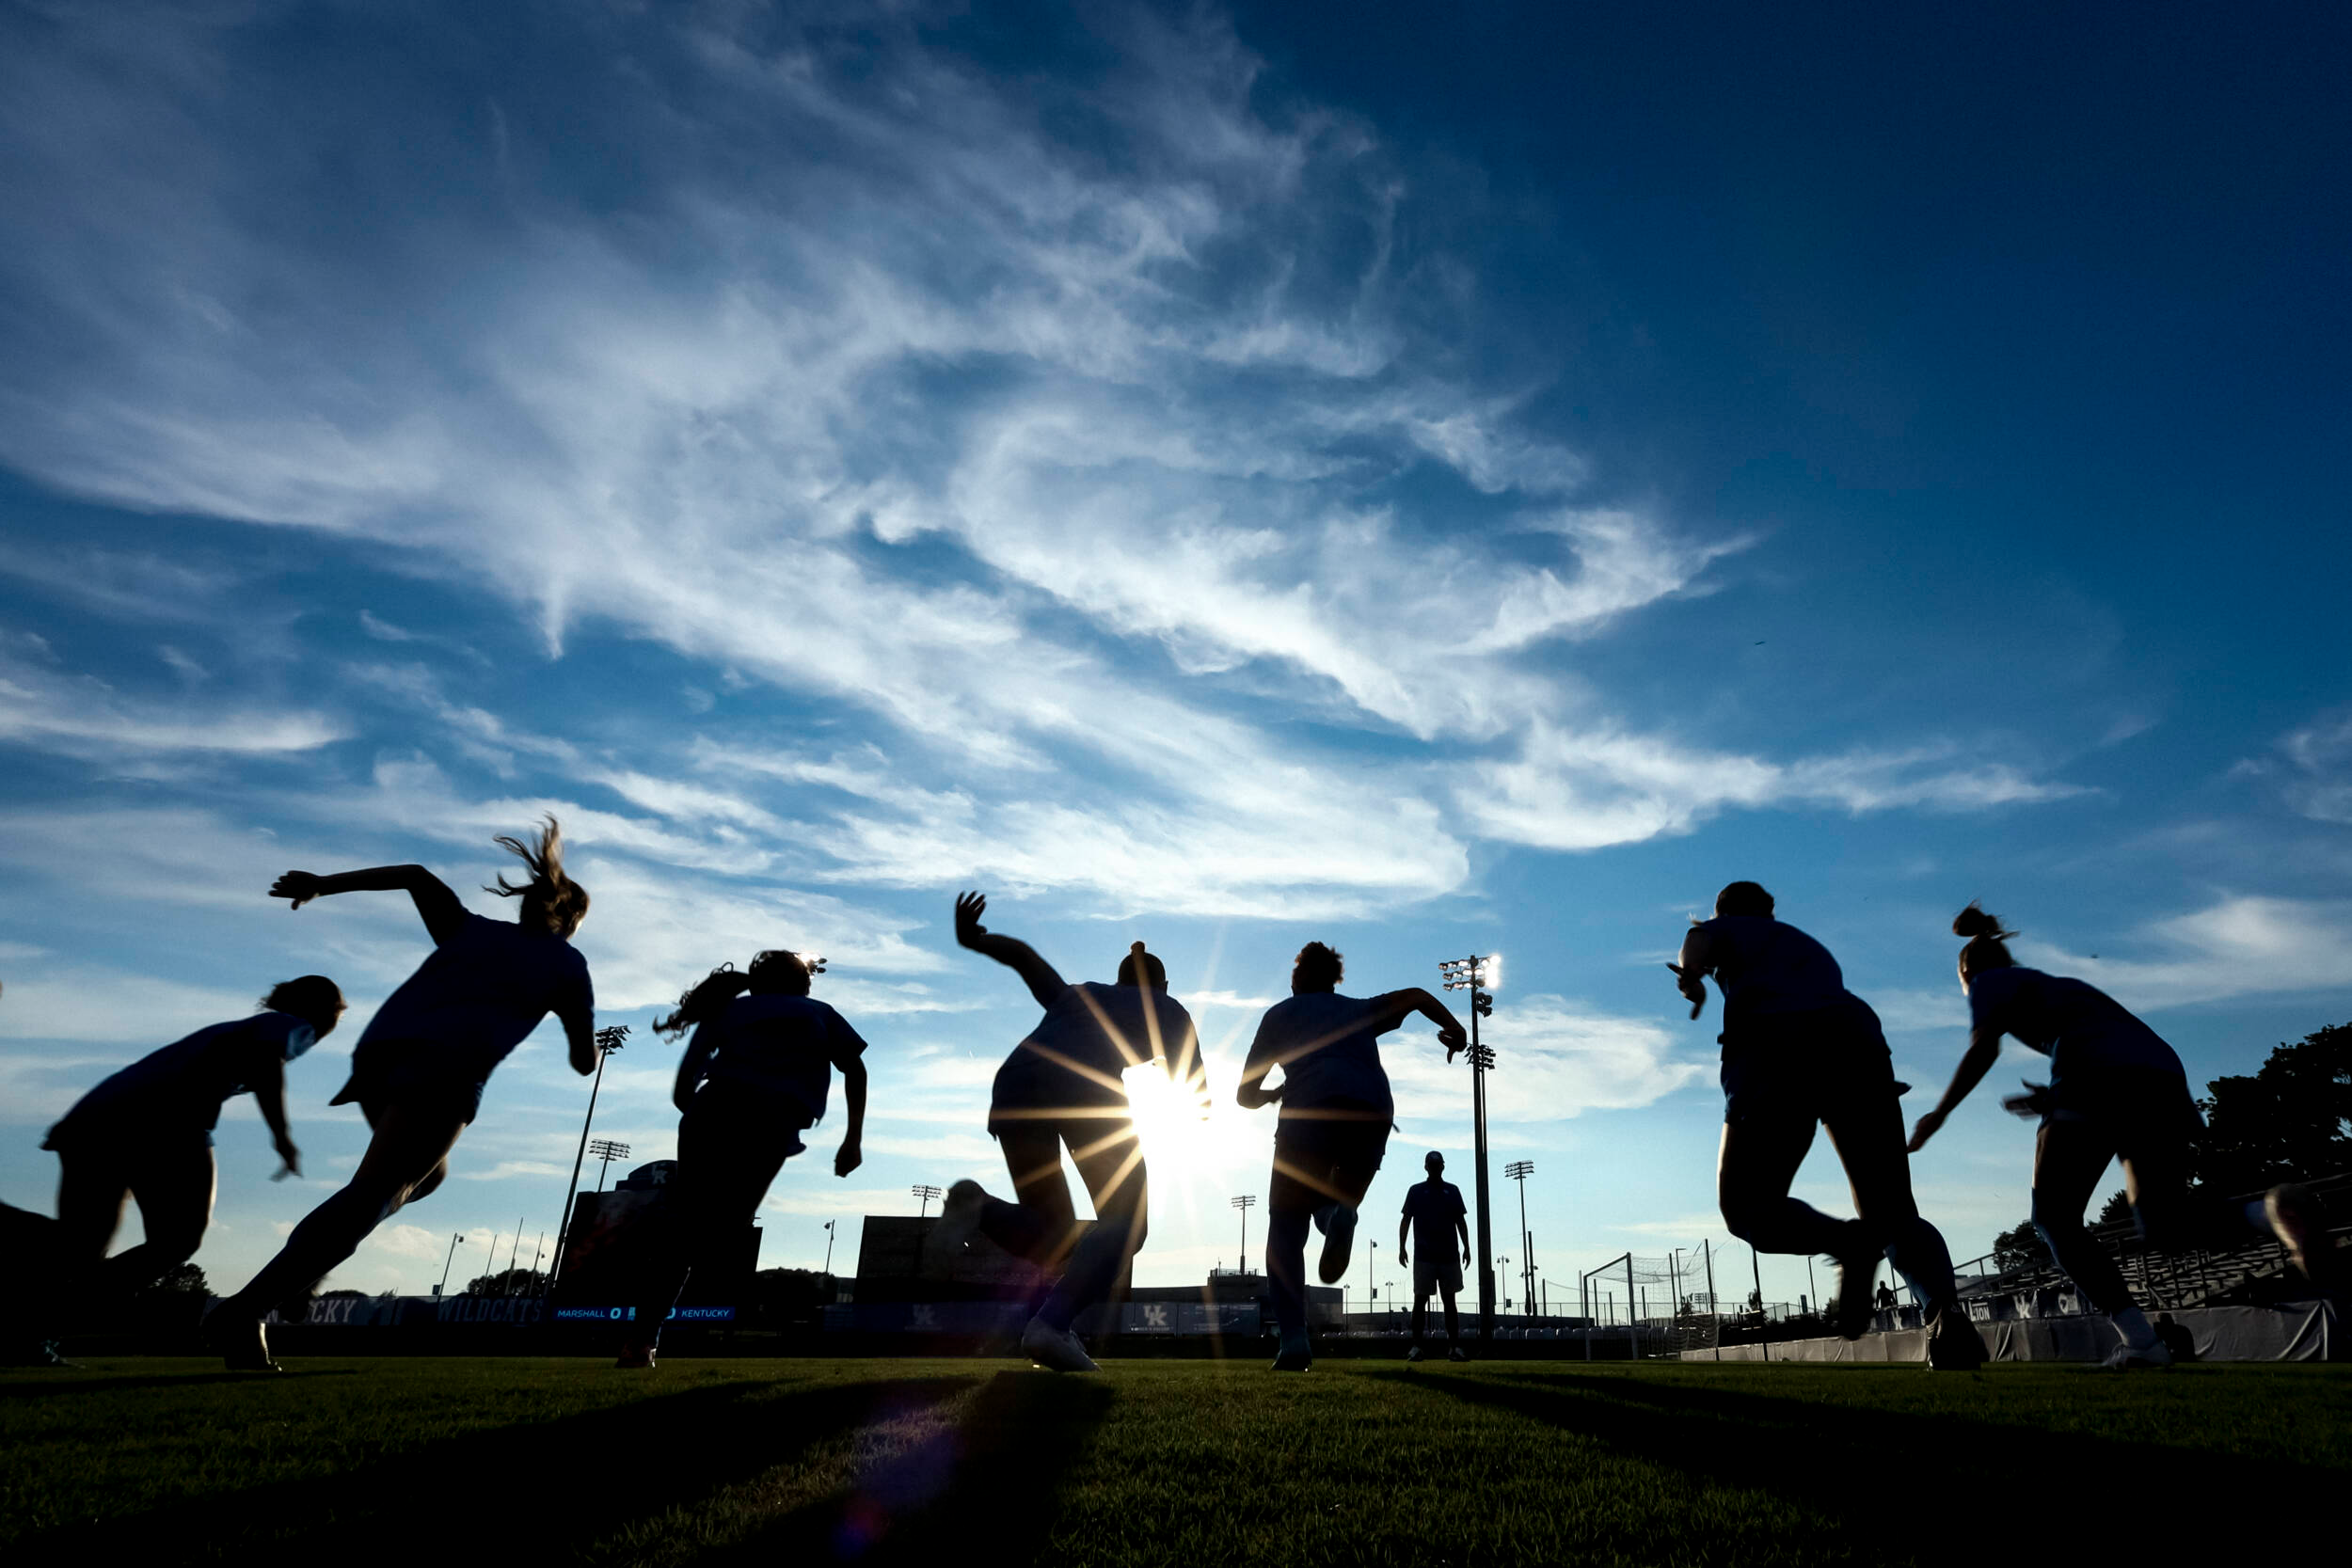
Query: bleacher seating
x,y
2254,1271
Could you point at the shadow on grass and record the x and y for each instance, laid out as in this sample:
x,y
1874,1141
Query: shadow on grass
x,y
1914,1486
68,1384
983,1490
578,1479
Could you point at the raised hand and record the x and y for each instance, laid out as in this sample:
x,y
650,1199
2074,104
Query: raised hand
x,y
969,908
292,1158
848,1158
1929,1123
1453,1039
300,886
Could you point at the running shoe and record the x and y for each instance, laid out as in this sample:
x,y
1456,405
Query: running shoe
x,y
1339,1240
1296,1356
1413,1355
2149,1356
635,1358
1455,1353
2301,1226
959,1222
1953,1343
1857,1276
243,1343
1055,1349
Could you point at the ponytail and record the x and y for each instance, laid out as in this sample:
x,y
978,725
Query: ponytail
x,y
560,901
704,999
1988,943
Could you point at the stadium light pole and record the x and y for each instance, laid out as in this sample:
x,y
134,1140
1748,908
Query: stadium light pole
x,y
1474,975
608,1041
1519,1171
606,1151
829,1248
1246,1202
926,1192
443,1287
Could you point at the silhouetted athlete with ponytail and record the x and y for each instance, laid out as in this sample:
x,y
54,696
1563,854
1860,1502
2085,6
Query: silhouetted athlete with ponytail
x,y
1802,1049
754,1078
147,1133
1333,1131
1061,1086
418,1070
2116,1092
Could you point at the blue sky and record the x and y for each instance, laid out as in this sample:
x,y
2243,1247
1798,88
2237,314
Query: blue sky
x,y
1221,478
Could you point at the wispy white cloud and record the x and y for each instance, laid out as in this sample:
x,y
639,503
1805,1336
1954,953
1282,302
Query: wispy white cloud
x,y
1566,1059
82,717
2240,945
1043,461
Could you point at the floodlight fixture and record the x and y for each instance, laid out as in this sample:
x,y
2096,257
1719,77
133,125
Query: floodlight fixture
x,y
926,1192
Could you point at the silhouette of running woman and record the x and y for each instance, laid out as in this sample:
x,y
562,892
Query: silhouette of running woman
x,y
147,1133
1802,1049
418,1070
752,1080
2116,1092
1060,1086
1333,1129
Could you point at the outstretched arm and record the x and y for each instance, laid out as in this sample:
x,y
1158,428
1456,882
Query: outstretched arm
x,y
441,909
1985,1049
585,1039
849,1156
1698,956
1014,954
1397,1005
268,1078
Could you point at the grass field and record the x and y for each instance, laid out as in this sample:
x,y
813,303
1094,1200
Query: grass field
x,y
1165,1462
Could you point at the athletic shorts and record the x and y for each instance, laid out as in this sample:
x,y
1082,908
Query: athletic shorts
x,y
395,1076
1030,1090
1436,1269
1327,1157
1810,1066
2141,1110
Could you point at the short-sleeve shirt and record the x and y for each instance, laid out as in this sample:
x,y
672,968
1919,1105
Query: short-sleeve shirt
x,y
1089,1036
781,1045
1767,967
1327,1049
1433,1206
479,994
182,1087
2078,1026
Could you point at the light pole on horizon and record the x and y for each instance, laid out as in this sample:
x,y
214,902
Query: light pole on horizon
x,y
1519,1171
829,1248
443,1287
1246,1202
606,1151
1372,1282
607,1040
926,1192
1474,975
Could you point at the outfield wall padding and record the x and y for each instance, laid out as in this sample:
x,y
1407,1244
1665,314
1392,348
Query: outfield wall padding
x,y
2292,1331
